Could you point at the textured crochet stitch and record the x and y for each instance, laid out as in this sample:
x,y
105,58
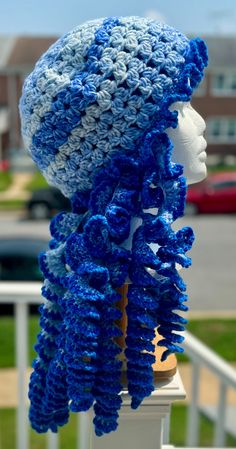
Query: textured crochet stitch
x,y
94,113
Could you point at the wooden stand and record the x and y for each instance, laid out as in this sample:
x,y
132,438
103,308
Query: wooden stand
x,y
162,370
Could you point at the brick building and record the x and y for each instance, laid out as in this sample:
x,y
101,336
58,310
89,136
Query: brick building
x,y
18,56
215,98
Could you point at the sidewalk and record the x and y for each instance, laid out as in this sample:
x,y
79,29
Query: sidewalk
x,y
17,188
208,386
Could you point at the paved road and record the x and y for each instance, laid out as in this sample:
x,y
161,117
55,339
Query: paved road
x,y
211,279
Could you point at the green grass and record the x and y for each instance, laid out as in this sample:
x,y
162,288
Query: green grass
x,y
7,340
37,182
37,441
220,168
178,429
218,334
5,180
68,432
11,204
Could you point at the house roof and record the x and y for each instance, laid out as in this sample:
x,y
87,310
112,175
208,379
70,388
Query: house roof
x,y
22,52
6,45
221,50
27,50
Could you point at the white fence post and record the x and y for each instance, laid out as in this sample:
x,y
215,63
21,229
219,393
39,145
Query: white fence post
x,y
83,430
166,430
219,435
193,414
52,440
141,428
21,310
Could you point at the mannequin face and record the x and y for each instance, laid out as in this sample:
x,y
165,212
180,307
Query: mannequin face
x,y
189,143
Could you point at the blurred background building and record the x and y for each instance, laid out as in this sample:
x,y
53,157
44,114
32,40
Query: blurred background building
x,y
28,28
215,98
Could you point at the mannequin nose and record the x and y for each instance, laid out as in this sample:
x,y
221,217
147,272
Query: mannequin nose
x,y
198,120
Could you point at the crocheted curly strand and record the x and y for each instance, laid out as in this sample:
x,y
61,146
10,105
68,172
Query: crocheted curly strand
x,y
77,355
90,274
44,413
87,348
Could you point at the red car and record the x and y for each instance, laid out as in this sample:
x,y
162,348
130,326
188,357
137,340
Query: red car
x,y
216,194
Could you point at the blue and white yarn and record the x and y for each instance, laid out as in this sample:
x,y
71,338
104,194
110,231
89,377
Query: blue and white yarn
x,y
94,113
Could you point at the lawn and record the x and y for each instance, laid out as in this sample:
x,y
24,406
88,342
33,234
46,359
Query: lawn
x,y
37,182
206,429
218,334
8,432
5,180
221,168
7,205
68,432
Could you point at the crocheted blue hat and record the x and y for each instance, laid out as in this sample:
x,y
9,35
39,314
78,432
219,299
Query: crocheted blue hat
x,y
94,113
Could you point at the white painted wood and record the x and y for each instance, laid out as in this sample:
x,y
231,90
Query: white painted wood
x,y
21,345
53,440
137,430
141,428
210,411
200,353
166,430
219,435
193,413
84,425
27,292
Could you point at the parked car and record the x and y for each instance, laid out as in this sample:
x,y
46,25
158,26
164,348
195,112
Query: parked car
x,y
4,165
44,203
19,262
216,194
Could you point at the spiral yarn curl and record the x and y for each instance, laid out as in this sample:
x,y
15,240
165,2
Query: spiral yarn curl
x,y
98,133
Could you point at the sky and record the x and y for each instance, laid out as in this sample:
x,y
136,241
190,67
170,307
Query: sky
x,y
55,17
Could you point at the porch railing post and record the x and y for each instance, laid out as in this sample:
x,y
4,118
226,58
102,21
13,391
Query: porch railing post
x,y
219,435
21,345
193,414
144,427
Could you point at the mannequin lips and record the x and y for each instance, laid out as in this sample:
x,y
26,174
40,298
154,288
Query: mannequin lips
x,y
203,156
202,145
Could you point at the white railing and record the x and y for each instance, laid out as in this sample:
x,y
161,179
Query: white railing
x,y
24,294
201,356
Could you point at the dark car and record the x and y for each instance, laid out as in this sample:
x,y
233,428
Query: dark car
x,y
44,203
216,194
19,262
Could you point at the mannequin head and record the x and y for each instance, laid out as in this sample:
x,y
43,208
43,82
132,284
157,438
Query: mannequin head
x,y
189,143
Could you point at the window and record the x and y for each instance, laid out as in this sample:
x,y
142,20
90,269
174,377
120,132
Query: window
x,y
201,90
15,267
221,130
224,83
